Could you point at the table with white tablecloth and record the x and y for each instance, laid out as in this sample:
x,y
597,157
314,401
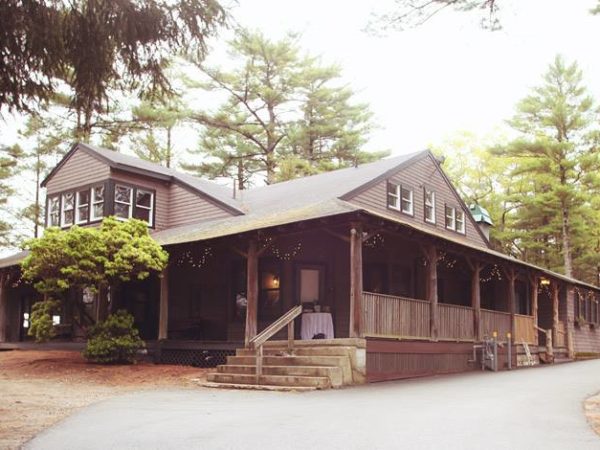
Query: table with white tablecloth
x,y
316,323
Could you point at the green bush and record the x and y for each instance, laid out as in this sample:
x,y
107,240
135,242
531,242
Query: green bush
x,y
40,325
114,341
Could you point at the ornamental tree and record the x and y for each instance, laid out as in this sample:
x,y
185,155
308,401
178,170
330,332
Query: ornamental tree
x,y
92,258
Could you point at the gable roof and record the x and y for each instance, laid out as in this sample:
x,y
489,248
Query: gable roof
x,y
337,184
115,160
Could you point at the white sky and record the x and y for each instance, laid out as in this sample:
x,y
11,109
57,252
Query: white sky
x,y
426,84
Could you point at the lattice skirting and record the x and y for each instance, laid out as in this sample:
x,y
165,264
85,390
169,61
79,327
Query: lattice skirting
x,y
194,357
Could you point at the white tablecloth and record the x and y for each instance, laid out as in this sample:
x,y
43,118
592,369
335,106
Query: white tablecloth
x,y
315,323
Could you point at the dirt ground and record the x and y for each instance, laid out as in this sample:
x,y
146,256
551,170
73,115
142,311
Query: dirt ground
x,y
39,388
592,411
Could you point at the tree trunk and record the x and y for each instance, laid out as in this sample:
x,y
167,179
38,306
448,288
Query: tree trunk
x,y
36,208
566,238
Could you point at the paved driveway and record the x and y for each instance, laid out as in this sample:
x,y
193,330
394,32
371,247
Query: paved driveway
x,y
526,409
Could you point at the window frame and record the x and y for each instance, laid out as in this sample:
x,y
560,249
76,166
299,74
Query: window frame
x,y
134,189
455,221
409,189
463,228
49,198
396,206
93,203
79,205
150,208
115,201
433,220
63,223
446,216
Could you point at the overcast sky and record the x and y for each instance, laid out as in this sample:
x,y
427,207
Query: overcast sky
x,y
429,83
426,84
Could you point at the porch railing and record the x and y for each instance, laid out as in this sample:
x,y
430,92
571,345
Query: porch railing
x,y
524,329
408,318
495,321
396,317
455,322
257,342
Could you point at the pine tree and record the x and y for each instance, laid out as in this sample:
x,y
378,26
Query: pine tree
x,y
554,155
279,106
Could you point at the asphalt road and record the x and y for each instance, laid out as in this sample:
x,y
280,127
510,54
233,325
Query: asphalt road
x,y
538,408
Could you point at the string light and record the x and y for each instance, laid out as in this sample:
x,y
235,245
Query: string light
x,y
196,259
494,274
375,241
268,243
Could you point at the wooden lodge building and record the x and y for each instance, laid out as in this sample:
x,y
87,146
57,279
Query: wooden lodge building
x,y
384,262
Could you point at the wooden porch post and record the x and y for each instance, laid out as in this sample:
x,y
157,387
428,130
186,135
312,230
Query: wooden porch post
x,y
163,314
356,280
432,290
533,285
555,291
476,299
3,308
251,291
510,274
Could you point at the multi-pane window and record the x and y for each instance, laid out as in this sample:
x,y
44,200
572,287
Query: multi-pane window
x,y
123,202
460,221
54,211
406,200
83,206
88,205
144,203
429,206
400,198
455,219
97,203
393,196
68,209
450,218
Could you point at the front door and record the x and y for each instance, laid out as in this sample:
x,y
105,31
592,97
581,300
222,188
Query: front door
x,y
310,284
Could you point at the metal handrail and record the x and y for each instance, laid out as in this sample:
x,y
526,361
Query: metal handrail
x,y
257,341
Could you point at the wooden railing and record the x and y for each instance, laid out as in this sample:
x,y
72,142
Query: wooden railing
x,y
495,321
407,318
258,341
455,322
397,317
524,329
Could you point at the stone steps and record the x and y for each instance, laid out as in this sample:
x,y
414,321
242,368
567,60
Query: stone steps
x,y
333,373
318,382
313,364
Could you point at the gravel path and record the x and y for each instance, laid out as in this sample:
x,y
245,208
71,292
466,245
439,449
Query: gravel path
x,y
525,409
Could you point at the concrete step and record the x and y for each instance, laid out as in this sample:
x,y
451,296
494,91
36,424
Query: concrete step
x,y
333,373
259,387
343,362
269,380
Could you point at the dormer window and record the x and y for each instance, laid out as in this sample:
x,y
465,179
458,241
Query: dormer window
x,y
144,205
83,206
54,211
429,206
400,198
123,202
134,202
68,209
97,211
